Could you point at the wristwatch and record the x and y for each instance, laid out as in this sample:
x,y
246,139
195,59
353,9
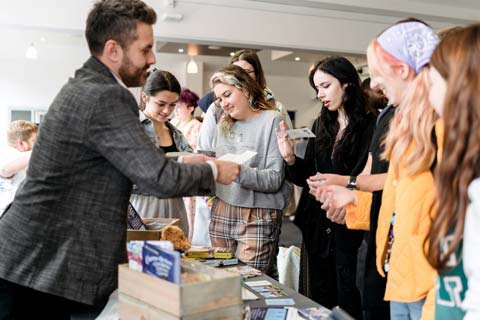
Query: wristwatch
x,y
352,183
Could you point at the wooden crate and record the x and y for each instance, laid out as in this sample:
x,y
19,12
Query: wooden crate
x,y
146,297
146,235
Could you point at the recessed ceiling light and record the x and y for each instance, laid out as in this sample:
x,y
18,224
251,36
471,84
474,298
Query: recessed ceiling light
x,y
297,58
43,39
232,54
214,47
180,50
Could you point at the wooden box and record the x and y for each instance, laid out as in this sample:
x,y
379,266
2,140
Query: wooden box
x,y
150,234
146,297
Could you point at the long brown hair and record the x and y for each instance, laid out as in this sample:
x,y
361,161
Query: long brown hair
x,y
251,57
456,59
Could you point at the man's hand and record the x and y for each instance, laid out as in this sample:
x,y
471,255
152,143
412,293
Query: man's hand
x,y
227,171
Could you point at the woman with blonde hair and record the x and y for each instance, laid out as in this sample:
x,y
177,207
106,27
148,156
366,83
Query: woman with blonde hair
x,y
246,215
454,234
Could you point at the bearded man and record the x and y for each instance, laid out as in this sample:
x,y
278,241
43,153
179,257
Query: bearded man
x,y
64,235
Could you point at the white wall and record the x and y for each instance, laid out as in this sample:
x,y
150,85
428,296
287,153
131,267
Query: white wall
x,y
296,94
34,83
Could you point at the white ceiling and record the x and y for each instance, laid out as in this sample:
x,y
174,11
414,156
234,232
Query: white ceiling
x,y
51,24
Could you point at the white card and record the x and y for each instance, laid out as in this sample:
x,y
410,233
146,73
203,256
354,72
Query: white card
x,y
248,295
300,133
280,302
238,158
258,283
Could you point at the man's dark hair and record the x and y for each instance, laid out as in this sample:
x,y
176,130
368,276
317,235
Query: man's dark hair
x,y
116,20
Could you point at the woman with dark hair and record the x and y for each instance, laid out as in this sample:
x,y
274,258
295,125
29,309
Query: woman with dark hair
x,y
343,132
246,215
160,96
398,62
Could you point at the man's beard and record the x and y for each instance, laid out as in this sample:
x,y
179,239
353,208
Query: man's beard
x,y
130,75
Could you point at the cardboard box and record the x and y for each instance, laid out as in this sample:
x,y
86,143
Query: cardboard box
x,y
150,234
145,297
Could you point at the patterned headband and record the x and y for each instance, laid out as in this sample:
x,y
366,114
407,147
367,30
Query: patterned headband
x,y
410,42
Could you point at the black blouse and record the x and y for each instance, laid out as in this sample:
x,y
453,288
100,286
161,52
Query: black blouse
x,y
316,229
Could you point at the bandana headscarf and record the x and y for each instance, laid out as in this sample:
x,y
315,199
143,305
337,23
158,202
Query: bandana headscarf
x,y
410,42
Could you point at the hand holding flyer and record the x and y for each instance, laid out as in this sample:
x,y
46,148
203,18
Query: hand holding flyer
x,y
300,133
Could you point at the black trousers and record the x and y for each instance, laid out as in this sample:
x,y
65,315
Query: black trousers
x,y
318,278
347,244
19,303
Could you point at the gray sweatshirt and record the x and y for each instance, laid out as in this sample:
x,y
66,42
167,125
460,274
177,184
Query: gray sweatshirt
x,y
261,180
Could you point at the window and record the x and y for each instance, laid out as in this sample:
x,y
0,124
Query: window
x,y
29,114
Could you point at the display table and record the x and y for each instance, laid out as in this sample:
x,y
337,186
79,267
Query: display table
x,y
111,311
300,300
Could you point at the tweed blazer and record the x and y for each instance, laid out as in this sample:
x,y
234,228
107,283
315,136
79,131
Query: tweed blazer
x,y
65,232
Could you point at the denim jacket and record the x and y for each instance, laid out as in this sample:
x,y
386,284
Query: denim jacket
x,y
178,139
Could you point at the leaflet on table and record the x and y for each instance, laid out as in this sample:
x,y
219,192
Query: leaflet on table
x,y
273,313
240,158
134,220
219,262
269,291
198,252
245,271
248,295
315,313
280,302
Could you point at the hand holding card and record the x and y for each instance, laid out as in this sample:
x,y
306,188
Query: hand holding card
x,y
300,133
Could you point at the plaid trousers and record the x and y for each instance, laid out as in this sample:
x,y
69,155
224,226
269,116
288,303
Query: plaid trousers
x,y
251,233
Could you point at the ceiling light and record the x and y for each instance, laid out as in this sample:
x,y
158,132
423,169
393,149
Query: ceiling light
x,y
172,17
232,54
214,47
192,66
297,58
43,39
31,52
180,50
